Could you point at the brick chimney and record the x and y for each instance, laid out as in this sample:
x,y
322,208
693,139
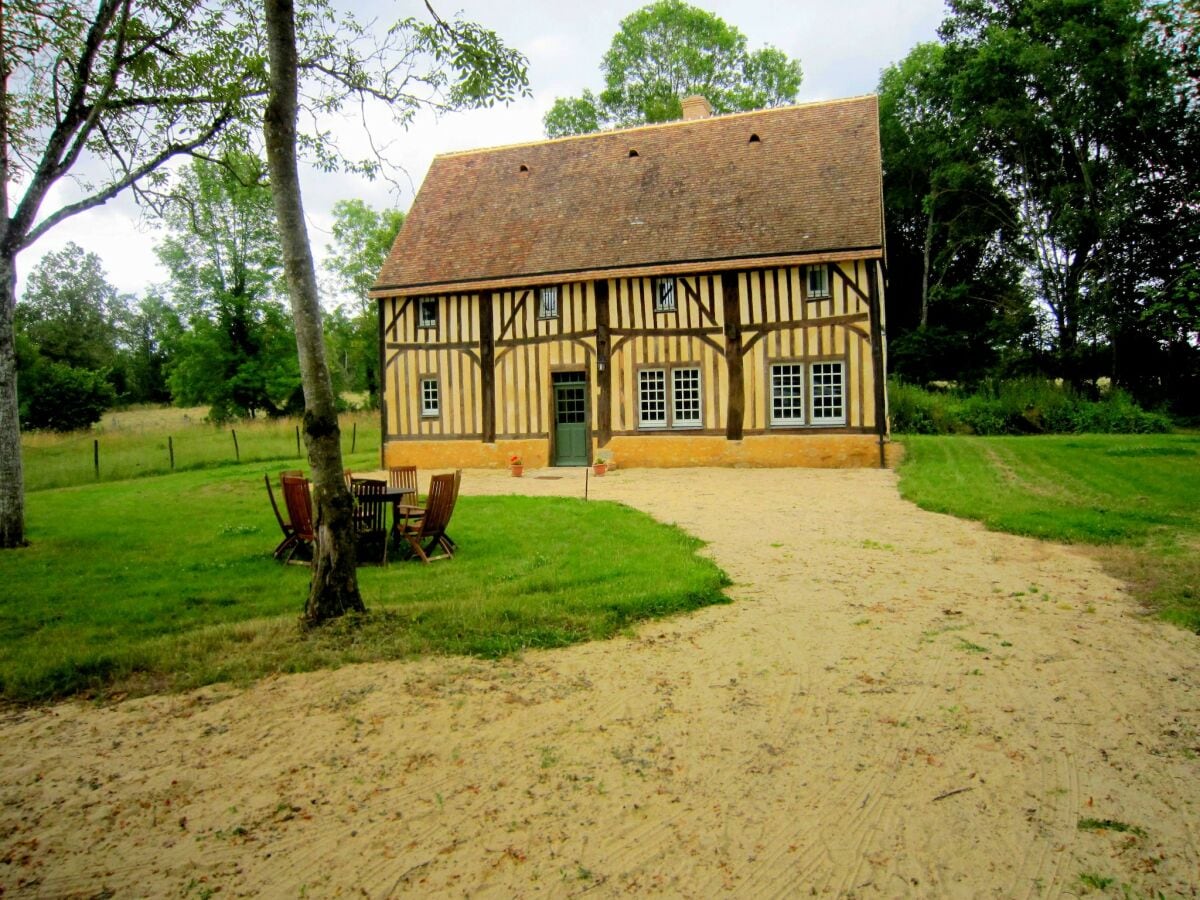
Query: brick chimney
x,y
696,107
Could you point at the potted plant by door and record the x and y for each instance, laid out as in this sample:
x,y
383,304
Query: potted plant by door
x,y
604,462
516,466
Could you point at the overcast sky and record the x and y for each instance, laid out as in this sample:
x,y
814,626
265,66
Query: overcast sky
x,y
842,45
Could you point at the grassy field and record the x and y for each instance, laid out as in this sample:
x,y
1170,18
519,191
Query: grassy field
x,y
138,442
165,583
1135,498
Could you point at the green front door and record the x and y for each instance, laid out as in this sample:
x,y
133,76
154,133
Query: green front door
x,y
570,419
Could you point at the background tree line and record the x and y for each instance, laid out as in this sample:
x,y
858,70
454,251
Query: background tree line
x,y
218,332
1043,215
1040,191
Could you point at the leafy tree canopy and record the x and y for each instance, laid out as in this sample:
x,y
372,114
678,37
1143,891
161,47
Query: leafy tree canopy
x,y
362,239
665,52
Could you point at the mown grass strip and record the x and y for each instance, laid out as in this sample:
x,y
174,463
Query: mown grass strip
x,y
1136,498
167,583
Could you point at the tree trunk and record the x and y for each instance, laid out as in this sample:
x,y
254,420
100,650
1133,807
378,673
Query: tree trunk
x,y
12,477
333,590
927,252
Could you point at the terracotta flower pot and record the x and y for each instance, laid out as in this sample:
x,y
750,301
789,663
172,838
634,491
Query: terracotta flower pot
x,y
517,471
599,469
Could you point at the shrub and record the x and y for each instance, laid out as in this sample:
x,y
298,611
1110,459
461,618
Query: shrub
x,y
1020,406
64,398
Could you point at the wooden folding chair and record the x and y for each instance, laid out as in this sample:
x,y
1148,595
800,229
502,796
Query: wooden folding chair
x,y
404,477
289,533
370,513
298,500
426,535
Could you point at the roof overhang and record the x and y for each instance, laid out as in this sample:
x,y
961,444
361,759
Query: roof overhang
x,y
674,268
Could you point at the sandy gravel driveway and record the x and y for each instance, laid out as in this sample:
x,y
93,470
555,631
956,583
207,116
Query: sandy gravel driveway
x,y
897,704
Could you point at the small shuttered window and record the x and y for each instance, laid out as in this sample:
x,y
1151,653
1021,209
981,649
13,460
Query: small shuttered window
x,y
548,303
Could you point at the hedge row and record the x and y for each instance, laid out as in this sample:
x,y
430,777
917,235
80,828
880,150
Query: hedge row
x,y
1028,406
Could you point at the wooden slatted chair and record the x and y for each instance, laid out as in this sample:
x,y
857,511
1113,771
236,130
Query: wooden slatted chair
x,y
289,533
427,535
370,514
404,477
298,500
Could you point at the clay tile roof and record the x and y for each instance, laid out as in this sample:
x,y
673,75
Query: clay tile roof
x,y
696,191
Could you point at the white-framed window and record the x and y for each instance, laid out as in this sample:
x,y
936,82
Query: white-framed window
x,y
548,302
685,398
818,281
670,398
787,394
427,310
652,398
827,386
431,405
664,295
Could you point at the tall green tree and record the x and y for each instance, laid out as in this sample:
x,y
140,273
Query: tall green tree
x,y
238,353
69,332
474,68
70,311
956,305
1064,95
666,51
114,89
362,238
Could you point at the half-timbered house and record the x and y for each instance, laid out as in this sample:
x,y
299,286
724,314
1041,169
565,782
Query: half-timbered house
x,y
703,292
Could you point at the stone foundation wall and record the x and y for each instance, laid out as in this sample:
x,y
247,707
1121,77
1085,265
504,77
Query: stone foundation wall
x,y
827,451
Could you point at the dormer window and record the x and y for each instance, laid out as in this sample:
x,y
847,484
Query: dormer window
x,y
548,302
427,312
664,295
818,281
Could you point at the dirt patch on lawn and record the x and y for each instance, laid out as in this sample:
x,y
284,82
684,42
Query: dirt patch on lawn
x,y
898,703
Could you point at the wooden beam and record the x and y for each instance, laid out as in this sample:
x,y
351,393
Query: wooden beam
x,y
603,365
736,417
383,408
487,369
877,359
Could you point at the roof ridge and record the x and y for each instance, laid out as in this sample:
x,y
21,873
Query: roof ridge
x,y
657,125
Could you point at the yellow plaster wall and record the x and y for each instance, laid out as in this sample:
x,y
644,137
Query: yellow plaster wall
x,y
535,453
666,451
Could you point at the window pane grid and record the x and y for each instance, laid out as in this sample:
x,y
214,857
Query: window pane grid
x,y
827,392
685,394
652,397
429,397
787,394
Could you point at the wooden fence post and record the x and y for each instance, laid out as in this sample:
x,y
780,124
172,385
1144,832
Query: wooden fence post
x,y
96,456
298,440
353,437
171,450
237,454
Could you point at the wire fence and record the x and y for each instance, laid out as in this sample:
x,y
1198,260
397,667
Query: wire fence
x,y
117,453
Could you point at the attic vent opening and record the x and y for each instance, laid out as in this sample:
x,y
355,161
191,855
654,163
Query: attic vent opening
x,y
633,153
755,139
524,168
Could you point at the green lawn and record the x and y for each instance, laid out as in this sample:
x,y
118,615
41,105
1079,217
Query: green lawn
x,y
167,582
1136,497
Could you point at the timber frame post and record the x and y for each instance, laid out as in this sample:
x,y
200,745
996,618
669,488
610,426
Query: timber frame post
x,y
876,311
383,409
603,372
487,368
732,315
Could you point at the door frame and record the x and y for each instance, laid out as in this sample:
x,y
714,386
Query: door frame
x,y
563,369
